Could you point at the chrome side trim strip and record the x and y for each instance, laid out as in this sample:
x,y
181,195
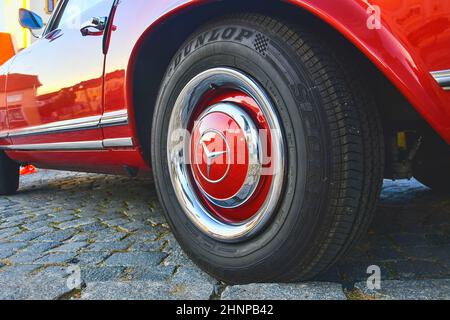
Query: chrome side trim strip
x,y
3,135
443,78
75,124
118,143
77,145
114,118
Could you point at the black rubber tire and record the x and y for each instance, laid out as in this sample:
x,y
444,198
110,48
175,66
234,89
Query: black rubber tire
x,y
334,149
431,164
9,175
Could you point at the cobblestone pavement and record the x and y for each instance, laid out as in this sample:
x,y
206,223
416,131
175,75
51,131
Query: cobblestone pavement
x,y
111,230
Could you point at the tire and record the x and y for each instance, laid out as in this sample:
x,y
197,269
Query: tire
x,y
332,151
431,164
9,175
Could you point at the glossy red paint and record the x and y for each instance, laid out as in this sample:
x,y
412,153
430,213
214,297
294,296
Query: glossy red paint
x,y
61,76
114,100
112,161
412,41
3,112
69,136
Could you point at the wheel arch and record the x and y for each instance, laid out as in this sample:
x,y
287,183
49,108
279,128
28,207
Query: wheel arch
x,y
387,59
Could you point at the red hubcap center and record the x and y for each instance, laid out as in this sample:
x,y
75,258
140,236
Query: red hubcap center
x,y
224,181
219,155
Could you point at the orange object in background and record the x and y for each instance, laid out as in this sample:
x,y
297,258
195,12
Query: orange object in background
x,y
28,170
6,47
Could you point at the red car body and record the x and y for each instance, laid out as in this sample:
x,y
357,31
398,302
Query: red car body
x,y
67,101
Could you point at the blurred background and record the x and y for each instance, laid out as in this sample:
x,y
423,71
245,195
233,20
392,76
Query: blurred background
x,y
12,36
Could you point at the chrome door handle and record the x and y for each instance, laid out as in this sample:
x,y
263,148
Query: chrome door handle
x,y
94,27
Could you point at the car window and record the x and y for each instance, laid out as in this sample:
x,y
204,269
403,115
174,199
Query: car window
x,y
76,13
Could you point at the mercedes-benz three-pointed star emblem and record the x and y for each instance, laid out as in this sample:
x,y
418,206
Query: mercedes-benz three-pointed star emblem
x,y
210,156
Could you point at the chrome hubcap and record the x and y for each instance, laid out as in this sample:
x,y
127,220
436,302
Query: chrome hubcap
x,y
226,154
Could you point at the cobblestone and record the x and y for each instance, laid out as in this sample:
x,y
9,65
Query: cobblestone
x,y
310,291
409,290
141,259
113,229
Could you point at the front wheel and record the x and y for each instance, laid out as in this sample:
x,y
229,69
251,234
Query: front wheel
x,y
267,153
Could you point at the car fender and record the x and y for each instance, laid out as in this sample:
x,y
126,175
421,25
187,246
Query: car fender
x,y
394,45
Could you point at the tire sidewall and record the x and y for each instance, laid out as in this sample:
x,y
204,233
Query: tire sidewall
x,y
286,82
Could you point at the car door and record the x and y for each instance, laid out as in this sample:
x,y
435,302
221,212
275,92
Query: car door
x,y
55,86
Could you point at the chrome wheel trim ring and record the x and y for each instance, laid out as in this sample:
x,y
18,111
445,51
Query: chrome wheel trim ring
x,y
178,146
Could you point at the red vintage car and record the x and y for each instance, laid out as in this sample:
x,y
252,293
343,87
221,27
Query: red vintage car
x,y
268,125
